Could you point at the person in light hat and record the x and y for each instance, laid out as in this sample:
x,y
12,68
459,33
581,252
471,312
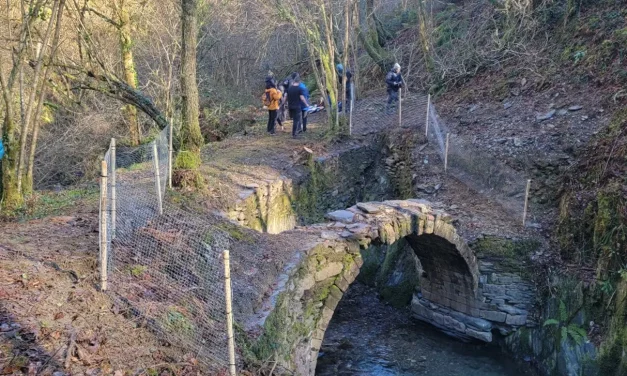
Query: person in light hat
x,y
394,82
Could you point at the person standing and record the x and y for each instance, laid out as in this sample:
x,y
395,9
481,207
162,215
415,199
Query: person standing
x,y
349,84
394,82
271,99
296,100
304,106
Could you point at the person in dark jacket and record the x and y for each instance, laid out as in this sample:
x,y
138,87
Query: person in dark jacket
x,y
295,99
349,85
394,82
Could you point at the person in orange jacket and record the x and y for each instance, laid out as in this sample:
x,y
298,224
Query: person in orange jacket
x,y
271,99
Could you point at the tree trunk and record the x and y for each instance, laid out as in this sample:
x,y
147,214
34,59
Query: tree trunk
x,y
11,196
192,139
347,18
28,182
31,104
130,74
371,40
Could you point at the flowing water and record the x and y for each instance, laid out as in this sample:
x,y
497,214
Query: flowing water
x,y
367,337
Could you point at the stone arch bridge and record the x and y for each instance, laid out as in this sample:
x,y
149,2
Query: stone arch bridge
x,y
412,252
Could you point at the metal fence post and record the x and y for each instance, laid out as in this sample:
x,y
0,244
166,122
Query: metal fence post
x,y
170,153
427,119
352,108
155,160
446,152
526,201
400,111
229,313
103,226
113,190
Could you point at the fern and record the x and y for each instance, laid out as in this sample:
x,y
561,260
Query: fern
x,y
551,322
567,330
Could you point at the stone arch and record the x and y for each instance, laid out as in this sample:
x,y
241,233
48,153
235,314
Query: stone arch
x,y
451,296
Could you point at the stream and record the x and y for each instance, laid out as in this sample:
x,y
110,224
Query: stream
x,y
368,337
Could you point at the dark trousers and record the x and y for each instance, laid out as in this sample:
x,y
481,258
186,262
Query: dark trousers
x,y
296,115
392,100
304,121
271,120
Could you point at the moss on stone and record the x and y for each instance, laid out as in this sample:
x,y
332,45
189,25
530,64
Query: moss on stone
x,y
372,257
492,246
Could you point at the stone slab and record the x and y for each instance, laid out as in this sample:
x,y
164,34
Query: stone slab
x,y
368,208
341,216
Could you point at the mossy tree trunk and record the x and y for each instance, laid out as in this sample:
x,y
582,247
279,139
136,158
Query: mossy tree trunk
x,y
371,39
11,195
424,31
128,65
192,139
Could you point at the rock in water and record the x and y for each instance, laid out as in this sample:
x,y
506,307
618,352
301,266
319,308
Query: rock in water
x,y
575,108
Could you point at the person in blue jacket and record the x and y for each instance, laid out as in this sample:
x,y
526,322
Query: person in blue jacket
x,y
303,105
1,150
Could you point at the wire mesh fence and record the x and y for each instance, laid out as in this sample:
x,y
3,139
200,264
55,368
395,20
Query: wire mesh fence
x,y
163,264
464,161
476,169
375,112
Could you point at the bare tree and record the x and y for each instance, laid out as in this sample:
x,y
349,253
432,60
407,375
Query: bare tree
x,y
192,139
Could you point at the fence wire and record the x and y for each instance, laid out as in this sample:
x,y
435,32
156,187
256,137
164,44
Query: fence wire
x,y
476,169
473,167
163,264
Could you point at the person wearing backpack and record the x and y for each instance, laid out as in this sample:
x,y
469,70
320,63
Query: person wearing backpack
x,y
271,99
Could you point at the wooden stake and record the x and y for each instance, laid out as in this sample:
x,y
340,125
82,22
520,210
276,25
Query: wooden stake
x,y
155,160
229,313
103,226
526,201
113,189
400,111
350,115
170,153
427,120
446,152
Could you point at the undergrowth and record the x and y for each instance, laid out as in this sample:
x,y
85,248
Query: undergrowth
x,y
48,203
